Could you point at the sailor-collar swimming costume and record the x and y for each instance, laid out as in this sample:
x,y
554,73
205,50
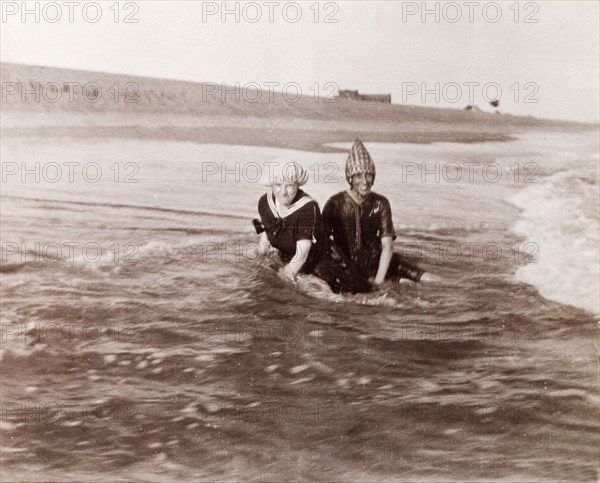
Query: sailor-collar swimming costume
x,y
295,206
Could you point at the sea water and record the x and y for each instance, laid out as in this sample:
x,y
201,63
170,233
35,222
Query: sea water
x,y
142,339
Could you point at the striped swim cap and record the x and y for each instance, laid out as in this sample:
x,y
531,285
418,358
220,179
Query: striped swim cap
x,y
359,161
285,172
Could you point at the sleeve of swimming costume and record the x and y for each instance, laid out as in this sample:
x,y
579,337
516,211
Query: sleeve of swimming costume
x,y
306,221
331,217
328,217
386,227
263,208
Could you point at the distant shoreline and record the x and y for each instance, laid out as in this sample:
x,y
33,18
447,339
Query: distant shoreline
x,y
182,111
302,140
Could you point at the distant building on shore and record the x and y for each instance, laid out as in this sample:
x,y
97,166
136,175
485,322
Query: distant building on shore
x,y
355,96
472,108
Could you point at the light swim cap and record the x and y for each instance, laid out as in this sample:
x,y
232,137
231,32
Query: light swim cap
x,y
359,161
285,172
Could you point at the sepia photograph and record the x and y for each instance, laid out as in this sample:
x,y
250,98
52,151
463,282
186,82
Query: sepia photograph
x,y
317,241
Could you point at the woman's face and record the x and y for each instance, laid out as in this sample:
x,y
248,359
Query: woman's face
x,y
362,183
284,192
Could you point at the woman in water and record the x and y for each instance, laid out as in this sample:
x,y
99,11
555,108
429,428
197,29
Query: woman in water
x,y
290,221
358,226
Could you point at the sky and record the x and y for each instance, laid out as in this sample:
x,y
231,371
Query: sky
x,y
538,58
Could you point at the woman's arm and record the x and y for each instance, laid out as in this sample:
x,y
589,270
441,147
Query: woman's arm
x,y
296,263
387,251
263,244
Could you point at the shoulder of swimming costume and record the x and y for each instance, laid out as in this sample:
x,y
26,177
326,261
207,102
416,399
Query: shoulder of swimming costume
x,y
303,203
336,197
378,197
262,201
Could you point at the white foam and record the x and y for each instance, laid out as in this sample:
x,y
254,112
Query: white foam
x,y
560,215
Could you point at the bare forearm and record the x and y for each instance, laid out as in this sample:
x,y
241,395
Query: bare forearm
x,y
296,263
384,260
263,244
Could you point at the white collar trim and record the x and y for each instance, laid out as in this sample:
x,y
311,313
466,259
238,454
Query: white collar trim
x,y
292,208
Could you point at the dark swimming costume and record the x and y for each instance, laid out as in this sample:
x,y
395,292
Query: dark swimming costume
x,y
302,222
354,233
